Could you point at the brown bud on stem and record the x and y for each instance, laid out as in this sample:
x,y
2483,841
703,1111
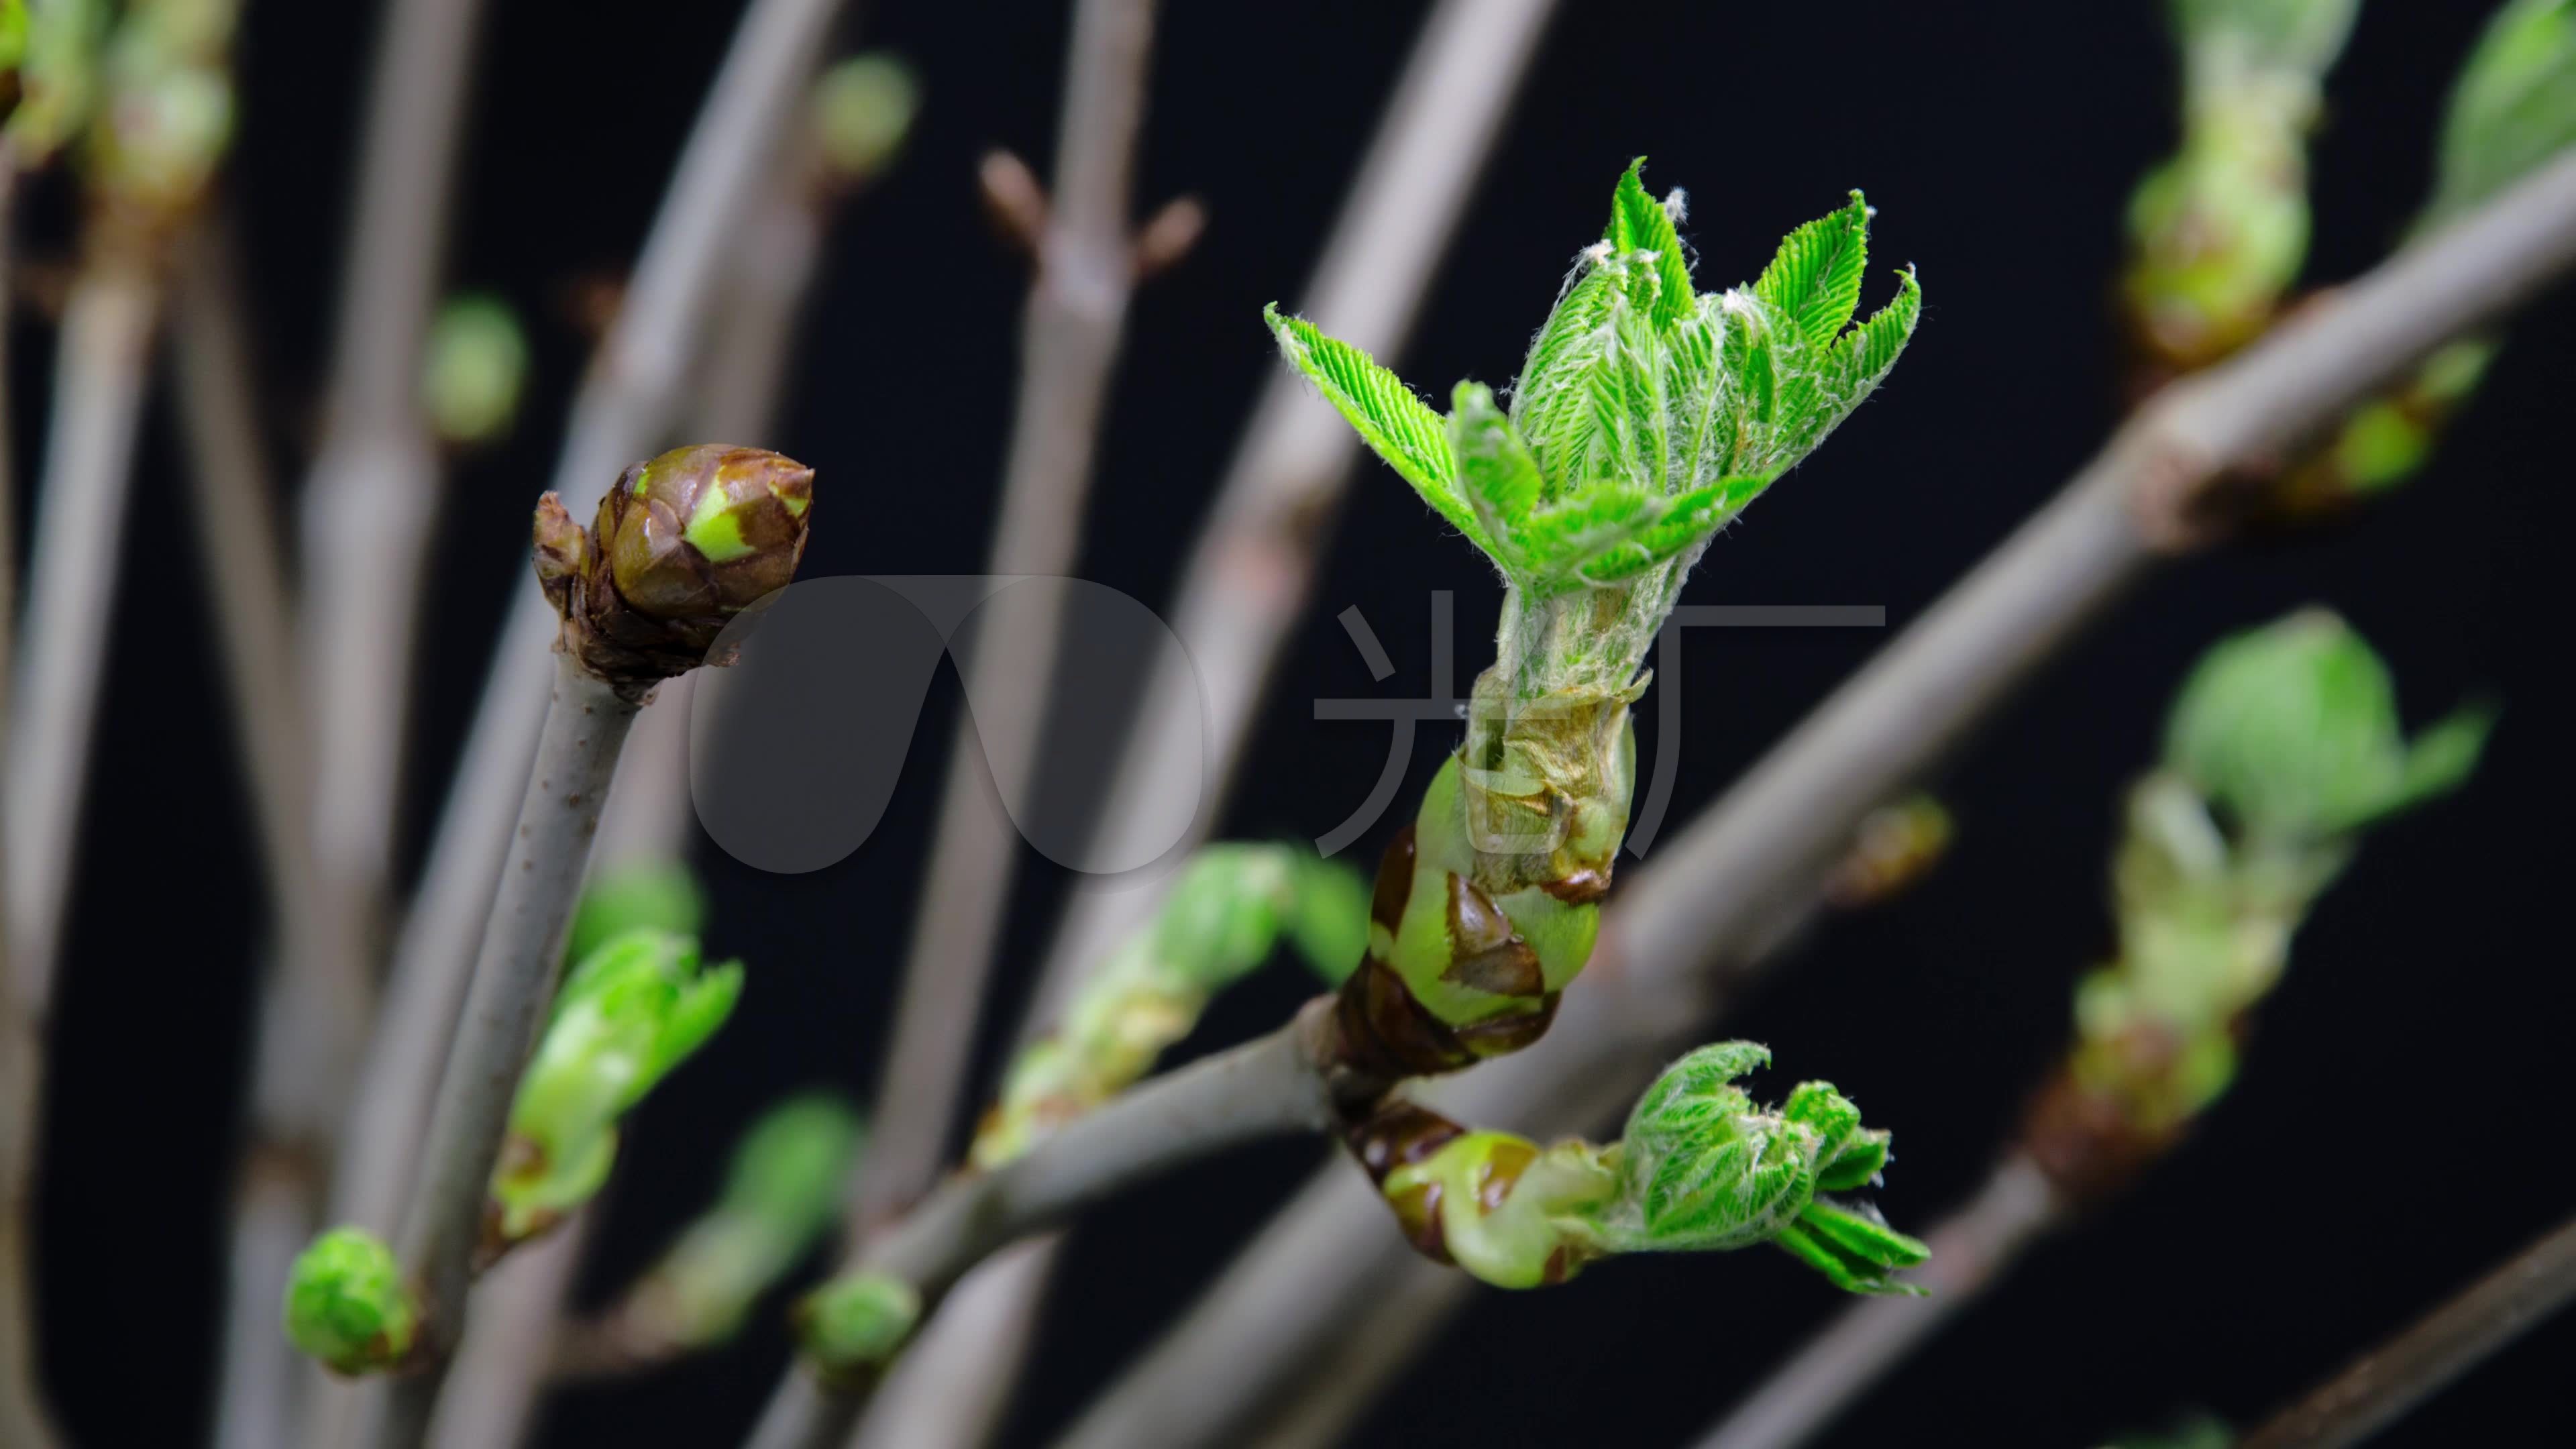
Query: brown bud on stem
x,y
682,545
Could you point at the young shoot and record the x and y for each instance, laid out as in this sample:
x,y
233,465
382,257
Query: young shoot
x,y
2283,747
1700,1168
1225,916
629,1014
1646,416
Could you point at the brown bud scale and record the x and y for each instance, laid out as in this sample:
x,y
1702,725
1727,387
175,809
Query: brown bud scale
x,y
681,546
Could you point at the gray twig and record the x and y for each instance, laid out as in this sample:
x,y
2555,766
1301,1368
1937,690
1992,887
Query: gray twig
x,y
1069,341
2381,1386
515,974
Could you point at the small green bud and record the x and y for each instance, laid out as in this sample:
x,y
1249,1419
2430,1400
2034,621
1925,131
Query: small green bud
x,y
347,1304
2513,107
854,1325
780,1193
631,1012
862,110
2293,730
476,369
682,544
661,894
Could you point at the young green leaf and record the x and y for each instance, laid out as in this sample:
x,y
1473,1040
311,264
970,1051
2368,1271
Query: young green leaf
x,y
1639,223
1502,477
1865,354
1815,278
1551,404
1397,426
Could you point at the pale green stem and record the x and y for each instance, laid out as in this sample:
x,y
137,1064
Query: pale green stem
x,y
515,975
1703,915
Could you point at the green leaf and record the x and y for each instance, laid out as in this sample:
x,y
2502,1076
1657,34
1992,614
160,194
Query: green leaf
x,y
2442,758
1815,278
1861,1232
1501,475
1864,356
1562,538
1398,426
1551,405
1632,429
1688,521
1639,223
2513,106
1855,1252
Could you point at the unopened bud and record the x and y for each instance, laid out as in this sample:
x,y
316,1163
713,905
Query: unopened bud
x,y
347,1304
681,545
854,1325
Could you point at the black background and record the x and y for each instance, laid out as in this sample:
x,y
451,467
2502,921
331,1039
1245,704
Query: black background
x,y
2398,1124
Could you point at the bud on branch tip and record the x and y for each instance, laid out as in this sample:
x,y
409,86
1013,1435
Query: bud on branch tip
x,y
681,545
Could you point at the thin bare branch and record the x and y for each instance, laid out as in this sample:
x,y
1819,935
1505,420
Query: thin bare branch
x,y
2381,1386
22,1409
1246,581
71,590
1700,920
314,1007
1069,342
513,985
509,1338
371,499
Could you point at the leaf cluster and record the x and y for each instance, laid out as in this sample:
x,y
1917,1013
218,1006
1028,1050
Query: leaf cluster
x,y
1646,414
